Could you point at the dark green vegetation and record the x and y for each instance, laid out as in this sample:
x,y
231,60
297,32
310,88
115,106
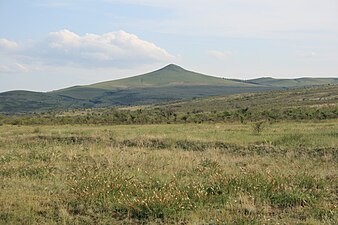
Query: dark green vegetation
x,y
169,174
316,103
167,84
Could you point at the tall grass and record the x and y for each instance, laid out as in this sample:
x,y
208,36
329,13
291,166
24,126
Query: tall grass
x,y
169,174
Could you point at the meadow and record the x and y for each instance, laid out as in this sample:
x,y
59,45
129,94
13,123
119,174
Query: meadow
x,y
211,173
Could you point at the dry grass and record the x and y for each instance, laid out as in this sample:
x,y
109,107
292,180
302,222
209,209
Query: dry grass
x,y
193,174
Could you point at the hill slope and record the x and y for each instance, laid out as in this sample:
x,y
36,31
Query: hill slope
x,y
308,97
169,83
171,75
177,82
28,101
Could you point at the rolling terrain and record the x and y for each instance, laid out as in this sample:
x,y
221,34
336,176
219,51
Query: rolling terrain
x,y
308,97
301,104
167,84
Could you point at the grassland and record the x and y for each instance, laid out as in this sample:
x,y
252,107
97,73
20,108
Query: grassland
x,y
222,173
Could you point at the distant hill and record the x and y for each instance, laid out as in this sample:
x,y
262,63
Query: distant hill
x,y
167,84
293,83
171,75
28,101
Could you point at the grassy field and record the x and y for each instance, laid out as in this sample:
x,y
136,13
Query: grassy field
x,y
225,173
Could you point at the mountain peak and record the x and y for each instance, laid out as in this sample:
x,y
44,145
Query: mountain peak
x,y
173,67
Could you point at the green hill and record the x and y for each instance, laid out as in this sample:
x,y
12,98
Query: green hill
x,y
174,79
167,84
171,75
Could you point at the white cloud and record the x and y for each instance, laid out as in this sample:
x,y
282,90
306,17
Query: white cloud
x,y
6,44
220,54
65,48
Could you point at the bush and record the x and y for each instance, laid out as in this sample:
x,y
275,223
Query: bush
x,y
258,127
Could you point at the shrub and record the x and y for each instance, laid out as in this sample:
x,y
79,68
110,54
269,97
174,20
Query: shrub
x,y
258,127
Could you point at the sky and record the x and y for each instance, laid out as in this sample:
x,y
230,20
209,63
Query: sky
x,y
51,44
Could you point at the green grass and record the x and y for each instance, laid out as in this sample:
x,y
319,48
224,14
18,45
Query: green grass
x,y
175,173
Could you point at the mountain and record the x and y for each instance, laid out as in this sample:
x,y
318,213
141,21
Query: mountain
x,y
171,75
167,84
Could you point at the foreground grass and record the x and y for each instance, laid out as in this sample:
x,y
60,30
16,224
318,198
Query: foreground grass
x,y
210,173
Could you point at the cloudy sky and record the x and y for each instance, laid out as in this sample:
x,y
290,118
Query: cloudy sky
x,y
50,44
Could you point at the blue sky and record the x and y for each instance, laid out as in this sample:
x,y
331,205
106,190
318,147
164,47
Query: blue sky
x,y
49,44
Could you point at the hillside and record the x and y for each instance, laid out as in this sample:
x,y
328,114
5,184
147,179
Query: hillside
x,y
170,83
171,75
306,104
27,101
310,97
293,83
